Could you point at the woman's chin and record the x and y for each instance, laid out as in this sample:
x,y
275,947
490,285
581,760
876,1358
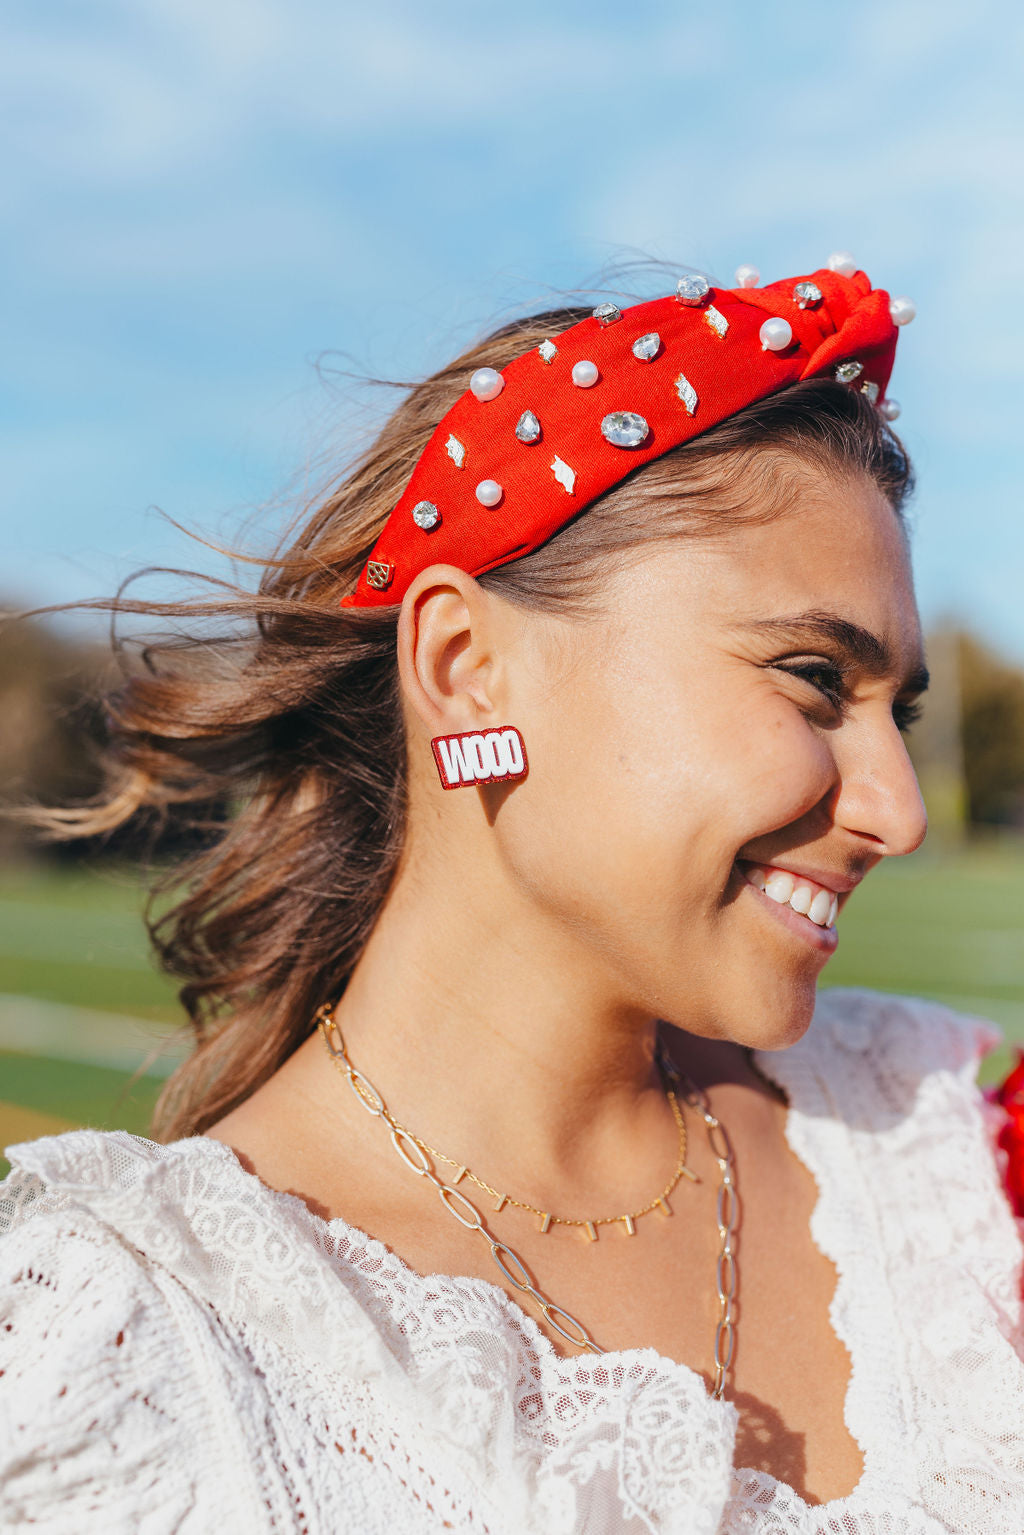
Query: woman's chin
x,y
766,1010
777,1010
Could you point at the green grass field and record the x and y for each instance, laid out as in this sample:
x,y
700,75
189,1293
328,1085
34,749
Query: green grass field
x,y
82,1011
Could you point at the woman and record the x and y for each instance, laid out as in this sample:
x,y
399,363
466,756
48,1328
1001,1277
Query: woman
x,y
538,844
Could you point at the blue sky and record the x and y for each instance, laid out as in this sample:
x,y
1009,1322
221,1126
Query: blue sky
x,y
199,200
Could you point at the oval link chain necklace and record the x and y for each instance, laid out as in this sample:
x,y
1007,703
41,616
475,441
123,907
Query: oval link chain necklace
x,y
417,1157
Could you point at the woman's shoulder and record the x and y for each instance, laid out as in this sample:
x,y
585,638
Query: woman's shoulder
x,y
122,1180
54,1237
68,1288
108,1190
89,1224
96,1399
191,1223
147,1212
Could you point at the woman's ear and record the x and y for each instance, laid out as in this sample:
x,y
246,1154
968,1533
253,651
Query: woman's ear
x,y
447,661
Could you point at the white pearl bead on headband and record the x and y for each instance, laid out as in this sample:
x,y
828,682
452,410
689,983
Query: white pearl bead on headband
x,y
843,263
776,334
489,493
487,383
585,374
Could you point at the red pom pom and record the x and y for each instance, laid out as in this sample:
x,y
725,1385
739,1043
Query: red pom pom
x,y
1009,1096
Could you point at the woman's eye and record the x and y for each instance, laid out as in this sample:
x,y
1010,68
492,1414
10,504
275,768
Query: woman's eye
x,y
827,680
906,715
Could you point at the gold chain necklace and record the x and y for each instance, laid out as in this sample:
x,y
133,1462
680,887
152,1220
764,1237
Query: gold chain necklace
x,y
417,1158
546,1218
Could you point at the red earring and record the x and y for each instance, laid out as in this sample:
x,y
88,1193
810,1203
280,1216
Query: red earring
x,y
491,756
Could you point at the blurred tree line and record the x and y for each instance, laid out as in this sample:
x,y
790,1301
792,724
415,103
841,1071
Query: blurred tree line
x,y
968,747
993,735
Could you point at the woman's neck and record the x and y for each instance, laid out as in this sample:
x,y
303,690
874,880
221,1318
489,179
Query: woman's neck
x,y
497,1038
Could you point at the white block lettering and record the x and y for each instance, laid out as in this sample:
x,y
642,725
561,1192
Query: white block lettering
x,y
475,757
480,757
513,751
495,745
458,765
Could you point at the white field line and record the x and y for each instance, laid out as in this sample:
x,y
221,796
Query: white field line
x,y
83,1034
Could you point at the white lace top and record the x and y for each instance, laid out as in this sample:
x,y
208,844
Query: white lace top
x,y
182,1349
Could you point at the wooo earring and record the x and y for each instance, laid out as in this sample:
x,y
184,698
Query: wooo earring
x,y
491,756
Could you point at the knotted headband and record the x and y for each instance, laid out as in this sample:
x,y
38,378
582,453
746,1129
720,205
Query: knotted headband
x,y
523,451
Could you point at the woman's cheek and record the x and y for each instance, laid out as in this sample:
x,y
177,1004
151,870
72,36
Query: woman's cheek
x,y
796,767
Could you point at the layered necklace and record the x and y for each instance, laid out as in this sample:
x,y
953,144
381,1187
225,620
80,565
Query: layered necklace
x,y
422,1160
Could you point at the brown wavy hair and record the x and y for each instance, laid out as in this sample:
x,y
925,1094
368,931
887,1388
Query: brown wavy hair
x,y
287,714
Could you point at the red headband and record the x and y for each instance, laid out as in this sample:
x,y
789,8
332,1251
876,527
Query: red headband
x,y
523,451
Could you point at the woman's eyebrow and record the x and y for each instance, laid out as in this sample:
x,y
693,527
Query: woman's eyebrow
x,y
868,651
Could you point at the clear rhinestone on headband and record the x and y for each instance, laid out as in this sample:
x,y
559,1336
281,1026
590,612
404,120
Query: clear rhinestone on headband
x,y
807,295
646,348
607,313
426,515
624,429
548,350
692,290
527,427
687,393
455,450
849,372
870,388
716,319
565,476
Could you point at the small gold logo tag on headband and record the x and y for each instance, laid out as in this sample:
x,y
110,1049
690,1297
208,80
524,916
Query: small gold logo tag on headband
x,y
379,575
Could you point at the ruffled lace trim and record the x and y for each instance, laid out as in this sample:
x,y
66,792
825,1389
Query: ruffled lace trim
x,y
909,1210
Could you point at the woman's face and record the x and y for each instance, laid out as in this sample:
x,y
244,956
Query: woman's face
x,y
730,718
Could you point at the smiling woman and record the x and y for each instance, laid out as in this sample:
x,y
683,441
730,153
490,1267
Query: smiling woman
x,y
518,1180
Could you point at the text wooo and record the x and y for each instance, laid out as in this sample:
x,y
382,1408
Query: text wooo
x,y
490,756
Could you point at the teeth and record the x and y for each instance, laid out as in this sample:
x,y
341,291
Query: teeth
x,y
779,888
819,905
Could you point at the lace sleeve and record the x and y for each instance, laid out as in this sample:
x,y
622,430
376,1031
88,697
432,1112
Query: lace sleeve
x,y
98,1427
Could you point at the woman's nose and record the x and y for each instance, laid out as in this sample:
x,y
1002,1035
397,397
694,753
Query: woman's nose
x,y
878,796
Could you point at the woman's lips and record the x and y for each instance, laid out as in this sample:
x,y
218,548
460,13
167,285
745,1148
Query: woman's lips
x,y
808,897
774,889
